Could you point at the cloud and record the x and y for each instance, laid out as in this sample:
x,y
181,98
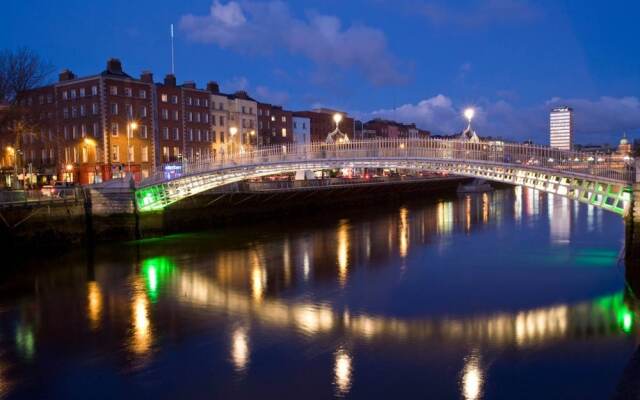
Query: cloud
x,y
277,97
268,27
596,121
479,13
236,83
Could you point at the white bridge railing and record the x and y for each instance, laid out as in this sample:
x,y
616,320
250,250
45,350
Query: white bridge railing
x,y
612,167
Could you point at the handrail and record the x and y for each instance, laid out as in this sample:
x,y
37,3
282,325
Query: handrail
x,y
611,167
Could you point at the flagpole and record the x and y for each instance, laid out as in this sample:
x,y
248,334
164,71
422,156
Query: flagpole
x,y
173,68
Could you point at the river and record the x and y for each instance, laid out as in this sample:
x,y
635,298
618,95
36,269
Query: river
x,y
510,294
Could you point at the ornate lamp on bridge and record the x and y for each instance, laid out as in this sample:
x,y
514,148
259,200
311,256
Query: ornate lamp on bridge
x,y
469,134
337,136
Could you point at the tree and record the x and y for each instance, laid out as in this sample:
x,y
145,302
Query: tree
x,y
20,70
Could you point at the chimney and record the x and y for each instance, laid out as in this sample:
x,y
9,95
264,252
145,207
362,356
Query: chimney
x,y
114,66
146,76
189,84
66,75
170,80
213,87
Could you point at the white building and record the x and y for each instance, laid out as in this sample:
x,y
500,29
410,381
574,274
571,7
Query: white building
x,y
561,128
301,130
234,119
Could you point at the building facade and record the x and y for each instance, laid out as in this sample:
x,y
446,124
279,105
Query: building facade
x,y
386,129
561,128
275,125
301,130
322,123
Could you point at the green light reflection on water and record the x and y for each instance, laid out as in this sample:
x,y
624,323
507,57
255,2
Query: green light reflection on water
x,y
156,271
623,315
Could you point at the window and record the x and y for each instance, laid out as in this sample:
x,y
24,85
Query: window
x,y
199,135
206,103
220,106
165,153
114,108
44,155
96,130
82,94
75,154
67,158
65,113
206,117
131,154
165,114
94,108
114,129
190,116
284,132
221,120
143,112
244,110
129,110
284,118
295,125
49,99
197,117
176,151
85,154
82,111
73,93
189,101
94,90
164,98
83,130
74,112
143,131
51,154
115,152
127,92
142,94
176,115
191,134
41,99
66,133
129,131
165,133
176,134
174,99
250,110
144,154
74,132
113,90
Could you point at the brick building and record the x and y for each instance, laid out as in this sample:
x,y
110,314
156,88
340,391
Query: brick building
x,y
275,125
322,123
386,129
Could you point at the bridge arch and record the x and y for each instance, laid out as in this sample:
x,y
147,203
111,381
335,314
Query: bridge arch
x,y
604,182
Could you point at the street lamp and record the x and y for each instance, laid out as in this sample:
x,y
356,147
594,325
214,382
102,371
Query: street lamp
x,y
232,131
469,113
131,126
337,118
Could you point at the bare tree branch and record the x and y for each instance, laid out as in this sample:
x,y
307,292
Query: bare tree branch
x,y
21,70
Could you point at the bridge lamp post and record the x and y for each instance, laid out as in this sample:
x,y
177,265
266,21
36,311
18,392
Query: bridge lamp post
x,y
337,118
469,113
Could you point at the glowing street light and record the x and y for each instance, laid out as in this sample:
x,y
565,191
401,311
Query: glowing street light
x,y
337,118
233,130
469,113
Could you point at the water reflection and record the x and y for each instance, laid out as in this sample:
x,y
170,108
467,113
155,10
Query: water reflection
x,y
141,335
313,287
240,349
343,251
94,304
342,371
472,377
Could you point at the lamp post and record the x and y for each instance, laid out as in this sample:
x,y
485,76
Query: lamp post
x,y
131,126
469,113
232,131
337,118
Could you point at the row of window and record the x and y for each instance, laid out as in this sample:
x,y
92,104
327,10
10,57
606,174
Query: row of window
x,y
131,154
73,93
79,111
128,92
165,98
46,156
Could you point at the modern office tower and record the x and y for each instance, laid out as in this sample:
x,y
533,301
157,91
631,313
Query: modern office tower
x,y
561,128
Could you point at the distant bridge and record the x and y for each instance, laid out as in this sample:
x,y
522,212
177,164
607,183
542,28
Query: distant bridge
x,y
602,181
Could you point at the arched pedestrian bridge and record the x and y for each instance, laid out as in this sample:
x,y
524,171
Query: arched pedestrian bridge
x,y
602,181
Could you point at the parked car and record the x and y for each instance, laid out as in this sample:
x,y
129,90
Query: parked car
x,y
58,189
